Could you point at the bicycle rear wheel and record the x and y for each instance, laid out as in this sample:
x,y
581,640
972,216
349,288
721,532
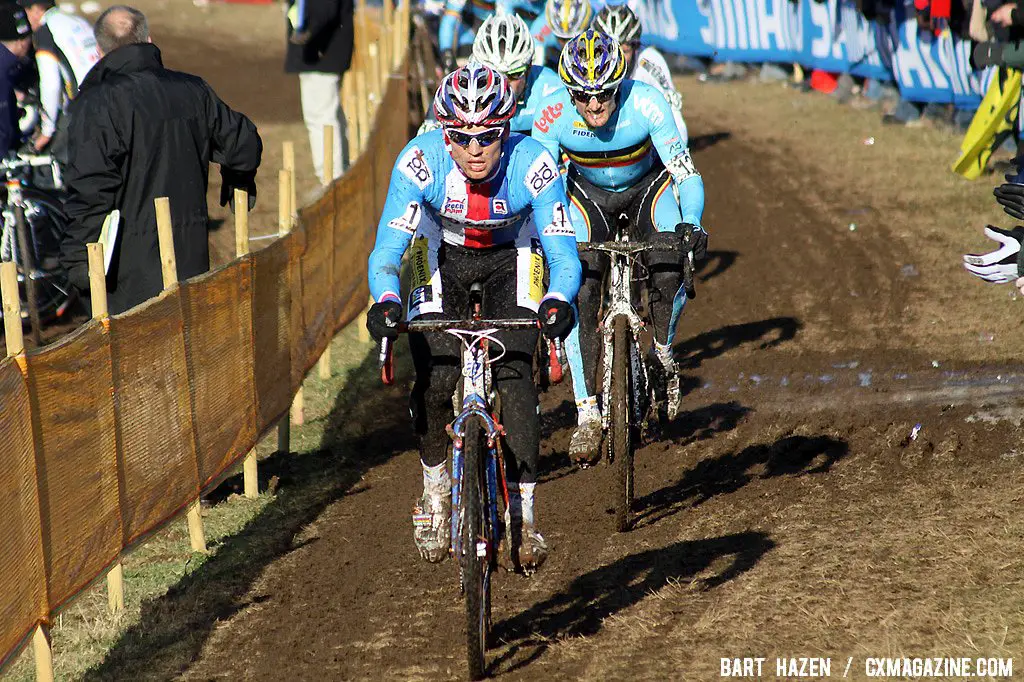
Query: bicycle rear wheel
x,y
476,549
621,440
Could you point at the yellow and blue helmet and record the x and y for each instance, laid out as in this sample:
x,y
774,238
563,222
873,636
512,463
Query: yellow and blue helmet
x,y
592,62
568,18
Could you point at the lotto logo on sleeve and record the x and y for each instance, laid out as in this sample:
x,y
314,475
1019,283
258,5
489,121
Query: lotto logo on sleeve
x,y
414,166
541,174
550,115
650,110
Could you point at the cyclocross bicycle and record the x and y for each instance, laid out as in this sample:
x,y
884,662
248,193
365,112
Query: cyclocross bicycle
x,y
478,468
627,391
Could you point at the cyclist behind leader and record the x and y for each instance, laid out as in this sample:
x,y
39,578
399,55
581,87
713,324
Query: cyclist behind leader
x,y
65,52
561,20
647,65
625,154
457,20
478,204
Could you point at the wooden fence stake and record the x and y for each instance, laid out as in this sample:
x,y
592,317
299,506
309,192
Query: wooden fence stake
x,y
373,74
43,654
387,38
168,263
324,365
349,110
363,108
289,165
284,226
250,471
98,296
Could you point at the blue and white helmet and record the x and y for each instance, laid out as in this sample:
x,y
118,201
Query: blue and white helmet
x,y
474,95
592,62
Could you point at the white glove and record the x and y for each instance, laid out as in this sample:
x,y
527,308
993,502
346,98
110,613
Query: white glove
x,y
999,266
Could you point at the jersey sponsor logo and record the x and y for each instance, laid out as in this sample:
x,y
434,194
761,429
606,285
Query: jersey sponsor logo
x,y
408,221
649,108
414,166
583,132
501,206
681,166
658,75
454,206
541,174
548,90
550,115
560,225
421,295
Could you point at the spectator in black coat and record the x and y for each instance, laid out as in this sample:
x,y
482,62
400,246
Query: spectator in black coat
x,y
320,38
138,131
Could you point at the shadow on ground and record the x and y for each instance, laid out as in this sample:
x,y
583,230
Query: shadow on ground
x,y
173,628
789,456
766,334
581,609
702,142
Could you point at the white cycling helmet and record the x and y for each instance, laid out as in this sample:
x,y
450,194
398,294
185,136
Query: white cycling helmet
x,y
474,95
620,23
568,18
504,43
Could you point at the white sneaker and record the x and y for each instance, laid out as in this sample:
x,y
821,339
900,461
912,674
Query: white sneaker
x,y
431,526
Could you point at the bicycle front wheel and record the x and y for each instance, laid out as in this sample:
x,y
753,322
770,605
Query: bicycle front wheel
x,y
476,566
621,441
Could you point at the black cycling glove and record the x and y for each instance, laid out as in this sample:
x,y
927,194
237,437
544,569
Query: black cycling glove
x,y
694,239
382,319
556,318
232,180
1011,197
999,266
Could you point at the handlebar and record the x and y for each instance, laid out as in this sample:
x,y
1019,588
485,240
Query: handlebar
x,y
632,248
387,374
26,161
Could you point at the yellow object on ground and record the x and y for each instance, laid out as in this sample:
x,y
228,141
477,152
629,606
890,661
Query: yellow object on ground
x,y
996,114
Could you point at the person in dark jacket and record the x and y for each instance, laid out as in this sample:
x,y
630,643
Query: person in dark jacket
x,y
320,39
138,131
15,42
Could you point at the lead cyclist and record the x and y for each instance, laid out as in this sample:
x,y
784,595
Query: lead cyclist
x,y
478,204
647,65
625,152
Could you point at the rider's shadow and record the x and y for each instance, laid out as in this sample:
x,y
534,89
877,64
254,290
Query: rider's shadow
x,y
715,264
692,352
582,608
788,456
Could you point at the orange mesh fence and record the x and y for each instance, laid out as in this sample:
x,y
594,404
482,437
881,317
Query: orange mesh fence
x,y
71,390
154,414
22,578
116,429
271,322
218,350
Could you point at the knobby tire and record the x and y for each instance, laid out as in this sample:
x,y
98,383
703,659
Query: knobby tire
x,y
475,569
621,441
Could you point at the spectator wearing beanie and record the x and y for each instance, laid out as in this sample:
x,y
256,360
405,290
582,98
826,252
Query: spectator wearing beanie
x,y
15,42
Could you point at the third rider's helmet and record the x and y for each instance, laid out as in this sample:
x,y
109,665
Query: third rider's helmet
x,y
568,18
592,62
620,23
504,43
474,95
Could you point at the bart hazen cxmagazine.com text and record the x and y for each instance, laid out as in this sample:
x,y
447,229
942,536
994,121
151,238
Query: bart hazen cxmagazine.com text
x,y
882,668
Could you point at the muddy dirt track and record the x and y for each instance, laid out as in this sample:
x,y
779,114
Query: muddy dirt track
x,y
785,513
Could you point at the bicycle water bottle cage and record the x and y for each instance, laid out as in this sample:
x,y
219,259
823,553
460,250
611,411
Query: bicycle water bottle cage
x,y
476,299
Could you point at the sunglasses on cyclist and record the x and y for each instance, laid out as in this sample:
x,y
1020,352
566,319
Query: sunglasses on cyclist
x,y
602,96
517,74
484,139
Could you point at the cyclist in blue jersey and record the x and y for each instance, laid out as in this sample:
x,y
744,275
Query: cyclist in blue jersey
x,y
527,9
625,155
459,20
504,43
479,205
561,20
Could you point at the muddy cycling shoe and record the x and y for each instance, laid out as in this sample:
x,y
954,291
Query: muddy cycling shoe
x,y
522,550
585,444
669,378
431,526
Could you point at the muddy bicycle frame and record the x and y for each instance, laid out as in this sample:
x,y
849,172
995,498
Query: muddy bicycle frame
x,y
475,422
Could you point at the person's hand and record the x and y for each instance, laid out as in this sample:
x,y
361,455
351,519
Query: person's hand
x,y
999,266
1002,16
40,143
694,237
300,37
382,320
232,180
1010,196
556,318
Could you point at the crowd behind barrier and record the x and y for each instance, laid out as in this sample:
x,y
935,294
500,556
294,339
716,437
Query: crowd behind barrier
x,y
113,431
833,35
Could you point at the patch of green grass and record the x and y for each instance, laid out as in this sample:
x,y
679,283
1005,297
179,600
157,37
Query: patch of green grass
x,y
86,631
